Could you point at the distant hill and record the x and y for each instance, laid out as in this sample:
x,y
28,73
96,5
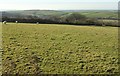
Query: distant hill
x,y
47,13
38,13
96,13
76,17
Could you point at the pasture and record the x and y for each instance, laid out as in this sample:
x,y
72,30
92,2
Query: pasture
x,y
59,49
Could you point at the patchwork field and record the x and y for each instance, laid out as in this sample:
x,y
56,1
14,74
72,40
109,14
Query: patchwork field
x,y
59,49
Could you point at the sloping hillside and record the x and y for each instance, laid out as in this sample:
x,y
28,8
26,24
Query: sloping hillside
x,y
46,13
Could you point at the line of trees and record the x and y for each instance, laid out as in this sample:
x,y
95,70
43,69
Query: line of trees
x,y
73,18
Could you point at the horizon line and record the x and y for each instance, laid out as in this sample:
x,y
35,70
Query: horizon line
x,y
52,9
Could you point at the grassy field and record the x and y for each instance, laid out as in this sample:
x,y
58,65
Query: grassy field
x,y
59,49
99,14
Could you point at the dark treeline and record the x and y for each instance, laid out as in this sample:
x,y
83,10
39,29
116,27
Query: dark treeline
x,y
74,18
109,18
23,20
45,21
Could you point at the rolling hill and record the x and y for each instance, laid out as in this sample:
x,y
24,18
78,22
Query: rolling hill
x,y
47,13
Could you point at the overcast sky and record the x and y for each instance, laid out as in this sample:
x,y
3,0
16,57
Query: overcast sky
x,y
59,4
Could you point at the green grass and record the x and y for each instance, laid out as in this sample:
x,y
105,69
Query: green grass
x,y
88,13
101,14
59,49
